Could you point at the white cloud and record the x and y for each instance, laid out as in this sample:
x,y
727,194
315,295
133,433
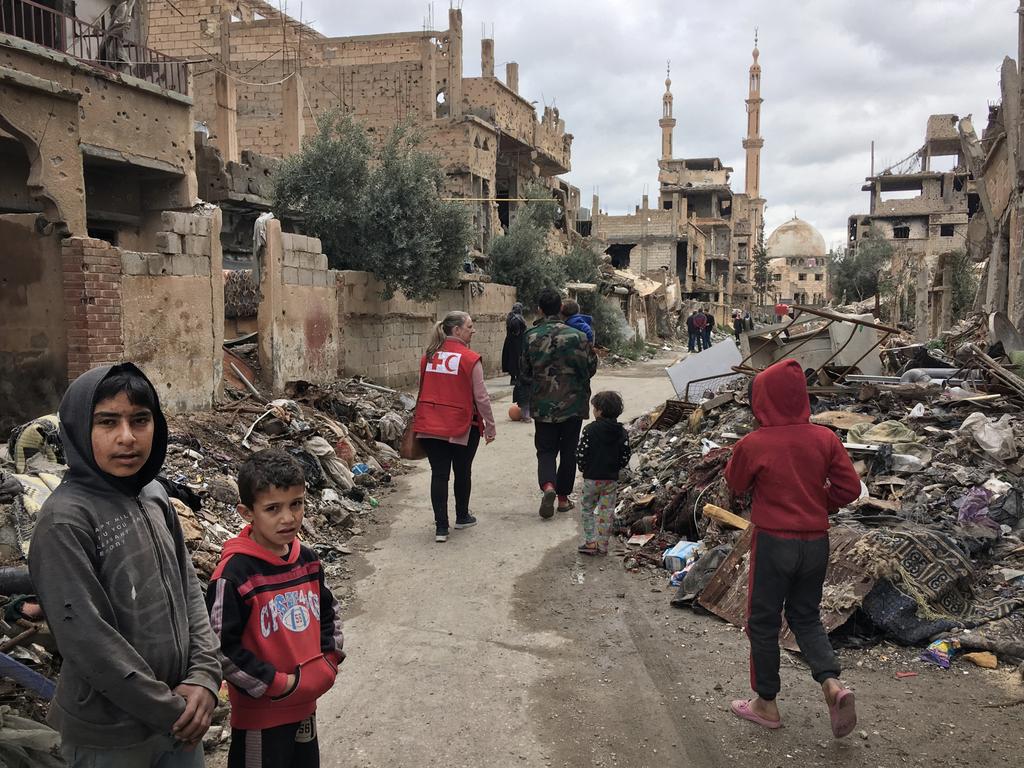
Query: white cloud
x,y
836,75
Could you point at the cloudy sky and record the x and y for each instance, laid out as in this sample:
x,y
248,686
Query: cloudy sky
x,y
837,74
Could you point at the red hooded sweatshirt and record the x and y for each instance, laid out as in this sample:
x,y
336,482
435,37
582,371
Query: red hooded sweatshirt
x,y
274,617
798,471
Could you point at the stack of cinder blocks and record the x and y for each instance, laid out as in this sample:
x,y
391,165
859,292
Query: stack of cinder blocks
x,y
304,262
182,249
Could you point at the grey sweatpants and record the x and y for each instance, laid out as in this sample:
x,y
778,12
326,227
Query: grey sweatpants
x,y
786,576
158,752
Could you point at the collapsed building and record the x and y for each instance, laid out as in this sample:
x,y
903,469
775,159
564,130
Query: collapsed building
x,y
922,211
996,160
701,231
262,79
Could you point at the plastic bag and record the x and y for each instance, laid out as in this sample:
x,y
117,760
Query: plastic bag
x,y
993,437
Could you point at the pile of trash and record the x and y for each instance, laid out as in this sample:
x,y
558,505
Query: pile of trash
x,y
345,436
933,550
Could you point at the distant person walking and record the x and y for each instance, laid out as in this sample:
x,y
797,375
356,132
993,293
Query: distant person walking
x,y
511,352
558,363
737,324
452,411
700,322
692,345
709,326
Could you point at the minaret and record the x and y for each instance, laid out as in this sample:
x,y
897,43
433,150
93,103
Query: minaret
x,y
754,142
667,122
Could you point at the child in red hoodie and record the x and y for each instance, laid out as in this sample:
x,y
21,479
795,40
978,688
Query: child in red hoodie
x,y
798,473
278,624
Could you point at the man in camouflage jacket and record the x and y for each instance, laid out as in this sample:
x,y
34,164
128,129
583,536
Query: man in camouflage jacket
x,y
557,365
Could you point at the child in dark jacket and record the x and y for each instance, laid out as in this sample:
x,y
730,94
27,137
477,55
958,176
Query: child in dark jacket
x,y
571,316
278,624
603,450
798,473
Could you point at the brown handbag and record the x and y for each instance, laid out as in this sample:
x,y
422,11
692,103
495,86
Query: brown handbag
x,y
411,448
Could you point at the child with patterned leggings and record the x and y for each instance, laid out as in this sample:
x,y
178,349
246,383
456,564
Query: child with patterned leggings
x,y
603,450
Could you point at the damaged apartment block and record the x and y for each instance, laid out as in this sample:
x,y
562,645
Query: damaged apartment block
x,y
268,77
921,206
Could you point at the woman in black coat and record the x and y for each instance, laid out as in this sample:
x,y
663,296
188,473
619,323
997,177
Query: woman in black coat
x,y
512,350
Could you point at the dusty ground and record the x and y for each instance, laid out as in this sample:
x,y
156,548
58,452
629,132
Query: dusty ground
x,y
501,647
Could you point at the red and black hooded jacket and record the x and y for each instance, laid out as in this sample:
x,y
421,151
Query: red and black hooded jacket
x,y
798,471
274,617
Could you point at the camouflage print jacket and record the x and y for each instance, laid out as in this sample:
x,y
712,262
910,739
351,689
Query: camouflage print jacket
x,y
557,365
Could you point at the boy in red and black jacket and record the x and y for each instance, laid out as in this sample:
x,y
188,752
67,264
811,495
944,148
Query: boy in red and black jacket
x,y
278,623
798,473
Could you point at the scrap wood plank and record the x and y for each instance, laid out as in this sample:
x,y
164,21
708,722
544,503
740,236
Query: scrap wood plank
x,y
726,593
725,517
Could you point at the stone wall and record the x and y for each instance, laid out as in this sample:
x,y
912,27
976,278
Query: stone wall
x,y
33,340
384,339
298,311
163,311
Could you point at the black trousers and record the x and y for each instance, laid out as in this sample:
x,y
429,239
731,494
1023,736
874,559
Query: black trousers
x,y
556,453
445,457
294,745
786,576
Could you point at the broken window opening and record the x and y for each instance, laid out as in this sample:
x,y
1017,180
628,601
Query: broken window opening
x,y
802,276
946,230
666,205
620,254
973,204
900,194
442,103
681,258
901,233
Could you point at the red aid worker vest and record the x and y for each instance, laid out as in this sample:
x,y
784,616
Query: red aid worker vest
x,y
446,407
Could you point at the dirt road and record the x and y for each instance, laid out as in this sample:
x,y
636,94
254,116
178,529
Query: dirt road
x,y
503,647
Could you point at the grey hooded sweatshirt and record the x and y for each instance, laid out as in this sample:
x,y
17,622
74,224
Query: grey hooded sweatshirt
x,y
108,560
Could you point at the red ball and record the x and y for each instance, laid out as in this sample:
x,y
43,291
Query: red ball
x,y
515,413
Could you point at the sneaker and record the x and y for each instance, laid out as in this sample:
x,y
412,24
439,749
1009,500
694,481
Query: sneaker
x,y
441,536
547,503
467,522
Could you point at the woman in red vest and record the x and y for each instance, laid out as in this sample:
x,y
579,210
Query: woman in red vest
x,y
452,411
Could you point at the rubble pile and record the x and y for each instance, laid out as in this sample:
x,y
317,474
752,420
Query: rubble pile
x,y
345,436
934,548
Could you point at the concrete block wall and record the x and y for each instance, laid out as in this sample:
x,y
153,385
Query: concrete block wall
x,y
298,311
163,311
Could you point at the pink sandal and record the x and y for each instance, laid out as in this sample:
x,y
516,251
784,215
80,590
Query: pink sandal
x,y
843,714
741,708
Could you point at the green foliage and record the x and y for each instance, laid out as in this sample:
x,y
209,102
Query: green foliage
x,y
383,213
327,182
610,327
521,258
965,283
582,264
762,269
861,273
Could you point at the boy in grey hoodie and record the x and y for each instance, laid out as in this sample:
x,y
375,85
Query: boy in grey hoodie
x,y
140,676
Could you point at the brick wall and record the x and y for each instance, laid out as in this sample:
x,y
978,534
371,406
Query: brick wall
x,y
163,311
92,303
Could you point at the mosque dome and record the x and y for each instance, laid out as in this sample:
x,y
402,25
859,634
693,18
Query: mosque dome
x,y
796,238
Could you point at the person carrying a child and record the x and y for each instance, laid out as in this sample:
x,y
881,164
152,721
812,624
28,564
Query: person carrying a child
x,y
603,450
279,625
797,473
571,316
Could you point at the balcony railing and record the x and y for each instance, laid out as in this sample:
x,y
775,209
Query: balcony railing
x,y
104,45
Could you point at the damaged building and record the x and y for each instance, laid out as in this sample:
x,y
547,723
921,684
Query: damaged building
x,y
798,264
996,231
700,230
921,207
265,78
95,143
